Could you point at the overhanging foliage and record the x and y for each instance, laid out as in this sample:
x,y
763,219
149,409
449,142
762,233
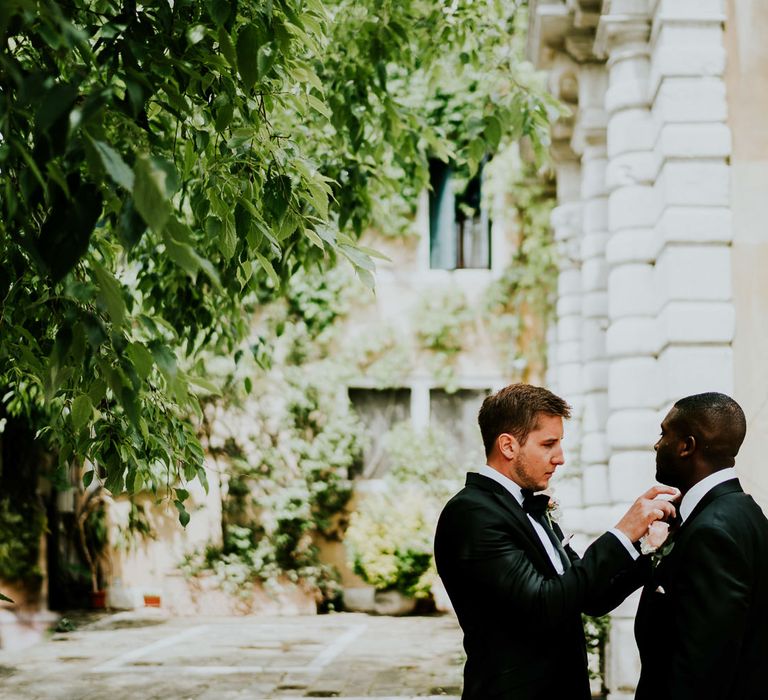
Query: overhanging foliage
x,y
166,167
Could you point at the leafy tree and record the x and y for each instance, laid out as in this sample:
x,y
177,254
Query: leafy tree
x,y
166,167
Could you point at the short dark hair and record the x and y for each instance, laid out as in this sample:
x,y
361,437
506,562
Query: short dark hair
x,y
717,423
515,410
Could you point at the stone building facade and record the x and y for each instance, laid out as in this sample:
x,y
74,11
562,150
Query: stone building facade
x,y
661,227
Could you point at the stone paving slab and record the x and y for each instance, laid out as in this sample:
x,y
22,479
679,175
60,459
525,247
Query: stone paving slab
x,y
345,656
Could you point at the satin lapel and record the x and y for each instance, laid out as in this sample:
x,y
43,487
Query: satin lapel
x,y
730,486
507,500
680,537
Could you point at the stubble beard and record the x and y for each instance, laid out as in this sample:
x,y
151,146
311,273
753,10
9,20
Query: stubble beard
x,y
518,468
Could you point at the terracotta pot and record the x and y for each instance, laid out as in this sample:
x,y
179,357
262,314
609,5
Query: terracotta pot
x,y
98,600
151,601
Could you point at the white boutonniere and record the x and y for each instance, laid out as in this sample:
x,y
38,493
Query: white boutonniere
x,y
553,511
654,542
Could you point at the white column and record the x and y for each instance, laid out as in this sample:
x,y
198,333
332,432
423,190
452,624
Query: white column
x,y
631,345
589,141
565,353
420,407
693,271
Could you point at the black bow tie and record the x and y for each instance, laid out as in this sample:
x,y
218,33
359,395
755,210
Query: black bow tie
x,y
535,505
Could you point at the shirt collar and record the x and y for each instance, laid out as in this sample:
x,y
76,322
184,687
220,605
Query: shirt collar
x,y
702,488
507,483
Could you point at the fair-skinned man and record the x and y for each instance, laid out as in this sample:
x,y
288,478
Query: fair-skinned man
x,y
710,590
517,588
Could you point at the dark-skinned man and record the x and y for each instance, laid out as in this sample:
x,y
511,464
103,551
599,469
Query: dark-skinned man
x,y
702,623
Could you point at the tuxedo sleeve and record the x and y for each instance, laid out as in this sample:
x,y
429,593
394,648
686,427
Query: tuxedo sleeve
x,y
712,588
500,569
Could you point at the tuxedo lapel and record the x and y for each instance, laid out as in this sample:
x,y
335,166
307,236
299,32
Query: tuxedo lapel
x,y
507,501
679,538
730,486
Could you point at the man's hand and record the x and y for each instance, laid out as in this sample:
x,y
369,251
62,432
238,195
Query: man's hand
x,y
645,510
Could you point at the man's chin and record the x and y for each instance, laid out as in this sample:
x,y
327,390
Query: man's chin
x,y
665,479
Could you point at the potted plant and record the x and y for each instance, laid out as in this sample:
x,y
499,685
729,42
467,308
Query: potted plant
x,y
389,543
91,523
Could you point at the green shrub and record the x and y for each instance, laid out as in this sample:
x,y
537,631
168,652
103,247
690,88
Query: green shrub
x,y
389,540
21,527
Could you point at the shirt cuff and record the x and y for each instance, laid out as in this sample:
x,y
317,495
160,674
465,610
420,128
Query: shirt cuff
x,y
625,541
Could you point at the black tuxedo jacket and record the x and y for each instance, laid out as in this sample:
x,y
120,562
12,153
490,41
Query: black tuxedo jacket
x,y
702,624
522,621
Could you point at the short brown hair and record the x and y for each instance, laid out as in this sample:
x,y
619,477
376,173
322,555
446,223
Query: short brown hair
x,y
514,409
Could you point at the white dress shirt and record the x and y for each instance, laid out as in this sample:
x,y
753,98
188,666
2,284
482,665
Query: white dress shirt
x,y
553,554
517,492
702,488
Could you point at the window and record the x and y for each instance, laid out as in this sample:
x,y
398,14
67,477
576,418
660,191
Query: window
x,y
456,414
459,229
379,410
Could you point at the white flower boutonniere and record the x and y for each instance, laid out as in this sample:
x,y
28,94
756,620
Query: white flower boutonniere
x,y
653,542
553,511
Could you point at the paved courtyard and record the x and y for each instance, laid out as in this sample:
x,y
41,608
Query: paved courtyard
x,y
347,656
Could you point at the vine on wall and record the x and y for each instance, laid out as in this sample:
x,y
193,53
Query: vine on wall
x,y
289,445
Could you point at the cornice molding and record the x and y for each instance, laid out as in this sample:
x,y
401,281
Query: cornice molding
x,y
621,30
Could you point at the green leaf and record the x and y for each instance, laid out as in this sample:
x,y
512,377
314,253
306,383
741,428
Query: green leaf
x,y
141,359
224,117
58,100
114,164
81,412
366,278
149,193
266,59
248,55
268,269
164,358
204,384
30,161
97,391
372,252
130,404
88,478
492,132
219,10
67,230
357,257
5,598
176,236
181,253
307,75
110,293
183,515
228,238
319,107
227,47
476,153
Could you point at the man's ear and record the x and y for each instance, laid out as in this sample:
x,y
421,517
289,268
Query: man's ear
x,y
508,445
688,447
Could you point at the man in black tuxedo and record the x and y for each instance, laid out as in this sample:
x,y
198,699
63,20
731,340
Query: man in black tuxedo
x,y
517,589
702,623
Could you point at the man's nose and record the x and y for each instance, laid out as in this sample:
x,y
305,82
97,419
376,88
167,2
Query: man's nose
x,y
656,446
558,457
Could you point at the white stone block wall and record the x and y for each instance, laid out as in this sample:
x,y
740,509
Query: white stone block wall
x,y
590,142
649,287
632,338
